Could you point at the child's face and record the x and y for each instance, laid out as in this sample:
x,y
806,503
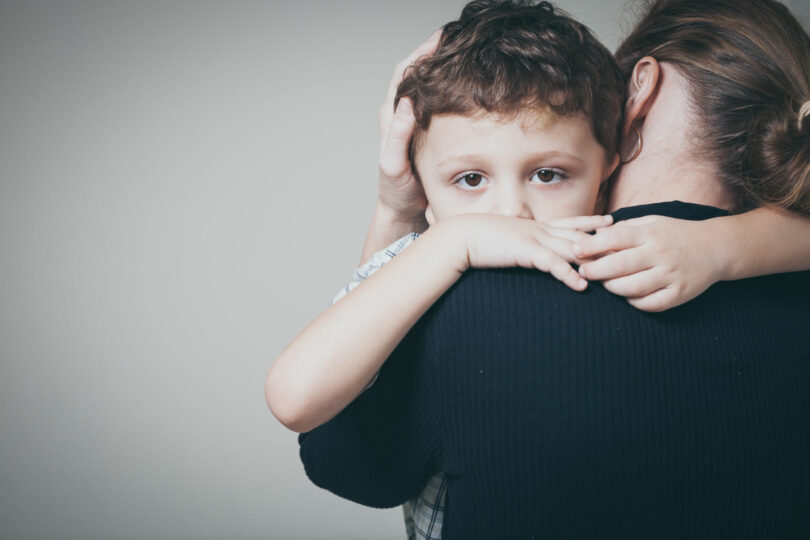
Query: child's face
x,y
534,165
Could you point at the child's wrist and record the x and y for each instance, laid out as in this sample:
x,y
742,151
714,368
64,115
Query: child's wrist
x,y
724,248
451,243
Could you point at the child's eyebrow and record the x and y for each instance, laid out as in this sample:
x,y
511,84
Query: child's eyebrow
x,y
462,158
556,154
539,156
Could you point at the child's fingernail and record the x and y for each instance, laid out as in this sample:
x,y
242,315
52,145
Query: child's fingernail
x,y
577,249
582,283
582,270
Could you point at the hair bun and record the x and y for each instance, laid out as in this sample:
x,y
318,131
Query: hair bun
x,y
778,149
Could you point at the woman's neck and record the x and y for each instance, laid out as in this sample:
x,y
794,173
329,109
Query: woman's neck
x,y
668,168
661,177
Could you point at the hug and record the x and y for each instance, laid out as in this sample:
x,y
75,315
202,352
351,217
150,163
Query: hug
x,y
501,371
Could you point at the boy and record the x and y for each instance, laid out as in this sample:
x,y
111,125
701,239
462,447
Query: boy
x,y
517,115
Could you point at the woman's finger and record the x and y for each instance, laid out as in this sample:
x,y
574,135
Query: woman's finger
x,y
387,109
616,265
636,285
394,160
608,239
583,223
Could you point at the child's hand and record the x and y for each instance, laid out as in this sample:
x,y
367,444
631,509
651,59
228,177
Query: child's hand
x,y
492,241
400,193
656,262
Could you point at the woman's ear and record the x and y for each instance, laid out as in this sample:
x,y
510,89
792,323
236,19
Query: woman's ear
x,y
642,90
429,215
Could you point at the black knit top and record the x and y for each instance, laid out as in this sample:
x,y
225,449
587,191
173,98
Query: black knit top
x,y
557,414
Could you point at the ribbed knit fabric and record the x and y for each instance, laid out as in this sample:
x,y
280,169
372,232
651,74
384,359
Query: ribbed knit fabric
x,y
557,414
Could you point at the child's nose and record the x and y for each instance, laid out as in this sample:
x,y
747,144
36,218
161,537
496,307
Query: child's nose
x,y
513,204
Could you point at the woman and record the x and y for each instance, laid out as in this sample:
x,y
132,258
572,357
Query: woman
x,y
746,143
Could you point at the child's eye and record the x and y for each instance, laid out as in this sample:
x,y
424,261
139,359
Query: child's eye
x,y
548,176
471,181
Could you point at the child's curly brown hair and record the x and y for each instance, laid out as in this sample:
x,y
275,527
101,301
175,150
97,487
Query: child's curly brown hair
x,y
505,57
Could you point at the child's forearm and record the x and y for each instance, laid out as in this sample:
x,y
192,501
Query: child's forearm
x,y
332,360
765,241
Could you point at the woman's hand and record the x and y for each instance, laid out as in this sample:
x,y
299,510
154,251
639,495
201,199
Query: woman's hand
x,y
491,241
401,202
656,262
399,190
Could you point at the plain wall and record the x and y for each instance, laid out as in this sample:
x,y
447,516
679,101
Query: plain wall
x,y
183,186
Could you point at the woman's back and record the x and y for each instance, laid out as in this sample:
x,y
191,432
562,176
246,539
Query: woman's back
x,y
559,414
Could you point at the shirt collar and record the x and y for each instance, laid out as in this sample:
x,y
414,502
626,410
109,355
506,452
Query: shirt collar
x,y
675,209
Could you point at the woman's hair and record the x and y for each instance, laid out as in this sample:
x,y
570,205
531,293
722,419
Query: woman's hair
x,y
506,57
748,65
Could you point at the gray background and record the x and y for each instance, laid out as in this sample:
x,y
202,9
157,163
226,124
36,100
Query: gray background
x,y
183,186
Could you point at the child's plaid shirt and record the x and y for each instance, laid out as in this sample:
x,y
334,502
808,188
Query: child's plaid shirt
x,y
423,514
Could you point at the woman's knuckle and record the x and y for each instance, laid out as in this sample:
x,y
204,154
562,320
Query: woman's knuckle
x,y
389,168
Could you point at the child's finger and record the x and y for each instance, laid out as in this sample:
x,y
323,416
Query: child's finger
x,y
560,245
559,268
394,160
657,301
643,220
636,285
583,223
609,239
616,265
570,235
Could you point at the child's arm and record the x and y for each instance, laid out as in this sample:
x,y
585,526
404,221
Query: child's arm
x,y
660,263
332,360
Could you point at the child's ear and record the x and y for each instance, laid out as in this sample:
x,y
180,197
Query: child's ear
x,y
603,194
429,217
610,168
